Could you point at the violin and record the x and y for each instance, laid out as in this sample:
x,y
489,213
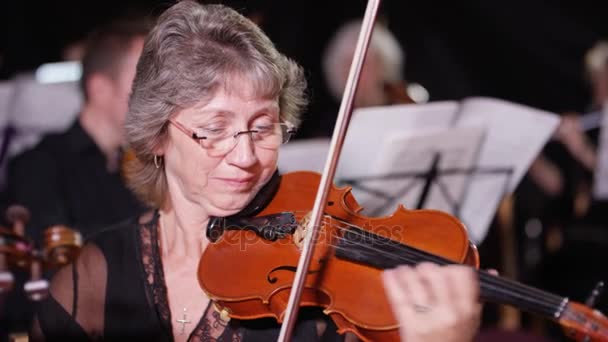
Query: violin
x,y
345,277
18,253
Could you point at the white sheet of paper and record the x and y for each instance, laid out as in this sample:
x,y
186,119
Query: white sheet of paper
x,y
515,136
307,154
45,107
516,133
458,149
369,127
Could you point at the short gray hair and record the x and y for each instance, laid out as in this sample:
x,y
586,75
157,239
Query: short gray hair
x,y
192,51
342,46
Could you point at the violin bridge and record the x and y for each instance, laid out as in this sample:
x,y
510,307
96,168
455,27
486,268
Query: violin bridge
x,y
300,233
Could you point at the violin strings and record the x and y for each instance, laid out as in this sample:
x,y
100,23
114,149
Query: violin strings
x,y
502,290
424,256
520,300
492,285
495,291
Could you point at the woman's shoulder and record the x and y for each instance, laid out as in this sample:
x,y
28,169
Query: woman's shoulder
x,y
122,234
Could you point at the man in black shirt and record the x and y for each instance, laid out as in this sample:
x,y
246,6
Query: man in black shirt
x,y
73,178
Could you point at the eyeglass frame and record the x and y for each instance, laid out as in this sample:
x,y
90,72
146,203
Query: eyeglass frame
x,y
190,133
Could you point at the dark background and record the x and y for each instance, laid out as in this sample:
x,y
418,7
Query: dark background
x,y
527,51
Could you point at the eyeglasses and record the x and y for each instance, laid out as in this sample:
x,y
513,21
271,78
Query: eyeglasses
x,y
220,141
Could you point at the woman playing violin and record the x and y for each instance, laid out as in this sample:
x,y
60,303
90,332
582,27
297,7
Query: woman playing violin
x,y
211,103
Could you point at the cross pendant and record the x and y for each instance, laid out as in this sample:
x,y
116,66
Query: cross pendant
x,y
183,322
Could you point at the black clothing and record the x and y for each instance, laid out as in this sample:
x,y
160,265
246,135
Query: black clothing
x,y
65,180
126,296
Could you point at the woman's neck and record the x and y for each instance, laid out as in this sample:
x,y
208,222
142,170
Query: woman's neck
x,y
181,233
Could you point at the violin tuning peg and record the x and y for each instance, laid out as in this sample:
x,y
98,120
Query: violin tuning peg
x,y
18,216
16,213
597,291
36,289
6,281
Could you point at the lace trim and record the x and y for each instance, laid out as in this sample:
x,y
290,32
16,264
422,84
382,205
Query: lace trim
x,y
213,328
155,284
210,327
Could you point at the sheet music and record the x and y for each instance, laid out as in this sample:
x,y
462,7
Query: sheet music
x,y
414,153
307,154
370,126
514,135
600,181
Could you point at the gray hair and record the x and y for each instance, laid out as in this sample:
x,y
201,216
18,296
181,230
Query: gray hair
x,y
342,45
192,51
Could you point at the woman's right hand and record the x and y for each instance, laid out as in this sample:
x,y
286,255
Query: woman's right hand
x,y
434,303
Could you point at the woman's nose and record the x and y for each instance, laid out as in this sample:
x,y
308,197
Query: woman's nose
x,y
243,153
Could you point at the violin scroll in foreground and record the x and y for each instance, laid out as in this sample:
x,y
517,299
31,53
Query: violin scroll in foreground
x,y
18,253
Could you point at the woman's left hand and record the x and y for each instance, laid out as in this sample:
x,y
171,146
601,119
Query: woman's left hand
x,y
434,303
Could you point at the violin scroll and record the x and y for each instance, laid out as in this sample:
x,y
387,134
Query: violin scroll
x,y
14,248
582,323
18,253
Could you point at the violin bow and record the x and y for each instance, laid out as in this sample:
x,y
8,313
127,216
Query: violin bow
x,y
344,115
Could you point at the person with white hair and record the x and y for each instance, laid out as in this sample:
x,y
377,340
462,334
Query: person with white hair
x,y
596,63
381,80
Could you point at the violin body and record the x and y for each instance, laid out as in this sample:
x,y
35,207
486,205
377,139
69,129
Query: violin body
x,y
251,277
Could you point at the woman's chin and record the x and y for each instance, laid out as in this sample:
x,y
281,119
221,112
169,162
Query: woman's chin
x,y
230,205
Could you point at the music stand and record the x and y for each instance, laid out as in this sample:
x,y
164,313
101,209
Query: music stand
x,y
425,171
514,135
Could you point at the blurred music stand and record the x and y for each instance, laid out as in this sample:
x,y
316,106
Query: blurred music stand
x,y
514,135
306,154
426,171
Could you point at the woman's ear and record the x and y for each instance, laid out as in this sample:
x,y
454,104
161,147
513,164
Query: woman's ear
x,y
160,147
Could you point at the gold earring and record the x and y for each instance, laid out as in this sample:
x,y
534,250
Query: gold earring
x,y
157,161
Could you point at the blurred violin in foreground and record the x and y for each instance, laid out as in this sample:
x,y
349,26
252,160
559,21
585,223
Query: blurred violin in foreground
x,y
18,253
259,256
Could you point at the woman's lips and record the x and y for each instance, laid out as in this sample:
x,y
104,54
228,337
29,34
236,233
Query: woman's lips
x,y
244,182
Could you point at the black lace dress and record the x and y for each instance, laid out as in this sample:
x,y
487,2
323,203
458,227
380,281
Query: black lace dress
x,y
116,290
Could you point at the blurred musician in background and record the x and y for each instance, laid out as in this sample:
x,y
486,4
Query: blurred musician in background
x,y
73,178
381,81
382,74
570,224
